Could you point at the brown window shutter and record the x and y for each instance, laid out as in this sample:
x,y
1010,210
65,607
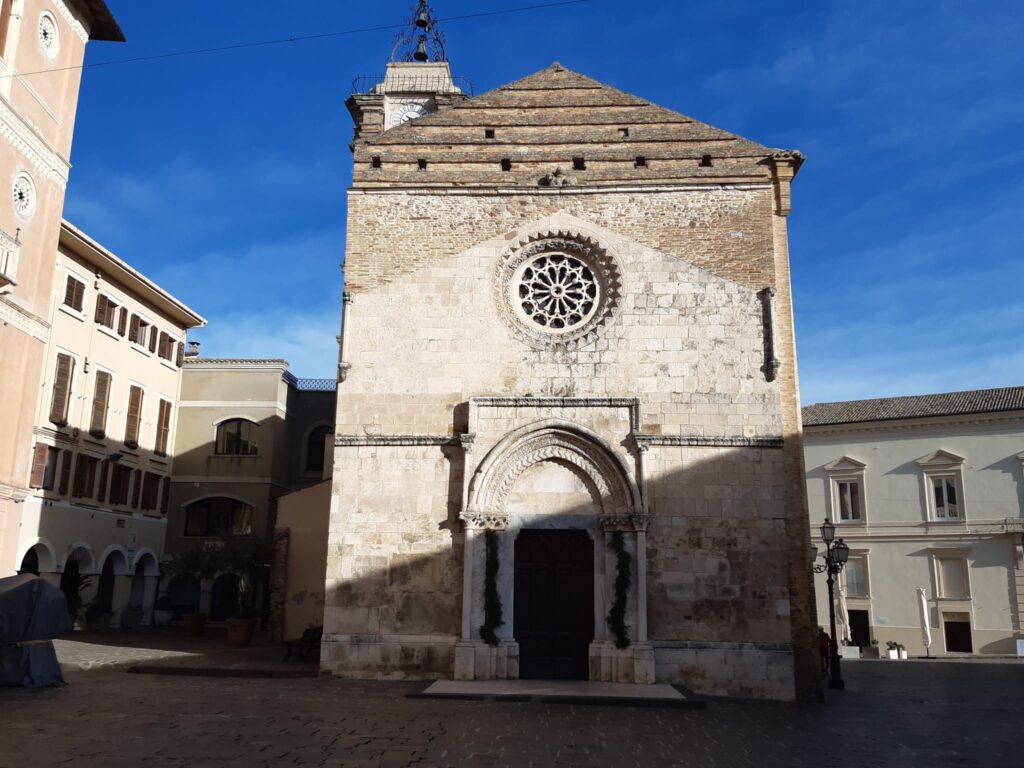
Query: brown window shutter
x,y
65,471
101,307
138,488
62,389
101,495
133,328
181,354
81,472
163,428
152,338
39,456
69,291
79,295
100,403
131,431
123,321
165,495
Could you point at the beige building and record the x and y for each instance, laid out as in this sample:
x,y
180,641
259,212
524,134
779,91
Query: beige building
x,y
248,433
929,493
103,444
42,45
568,438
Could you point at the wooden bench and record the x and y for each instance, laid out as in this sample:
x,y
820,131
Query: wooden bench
x,y
303,646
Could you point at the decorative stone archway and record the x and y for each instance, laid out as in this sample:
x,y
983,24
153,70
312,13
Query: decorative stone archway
x,y
616,508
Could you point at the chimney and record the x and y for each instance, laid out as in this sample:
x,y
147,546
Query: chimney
x,y
193,349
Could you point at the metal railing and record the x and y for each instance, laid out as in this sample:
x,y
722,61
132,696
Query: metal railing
x,y
316,385
411,84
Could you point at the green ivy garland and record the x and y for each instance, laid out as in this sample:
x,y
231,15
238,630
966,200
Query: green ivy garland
x,y
492,601
617,615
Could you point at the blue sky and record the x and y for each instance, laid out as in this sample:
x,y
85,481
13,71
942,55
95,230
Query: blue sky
x,y
222,175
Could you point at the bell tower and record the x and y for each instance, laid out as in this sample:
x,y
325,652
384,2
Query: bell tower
x,y
417,81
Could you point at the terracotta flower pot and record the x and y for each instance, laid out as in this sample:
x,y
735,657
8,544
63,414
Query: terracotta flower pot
x,y
240,631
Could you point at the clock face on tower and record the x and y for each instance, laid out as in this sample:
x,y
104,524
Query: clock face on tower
x,y
405,112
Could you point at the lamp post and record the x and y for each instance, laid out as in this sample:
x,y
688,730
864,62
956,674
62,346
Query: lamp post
x,y
837,552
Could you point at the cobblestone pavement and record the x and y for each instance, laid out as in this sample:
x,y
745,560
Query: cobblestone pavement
x,y
892,714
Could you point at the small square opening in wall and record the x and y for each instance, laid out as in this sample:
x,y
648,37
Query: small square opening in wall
x,y
488,133
624,133
375,161
579,164
422,164
705,161
641,161
506,164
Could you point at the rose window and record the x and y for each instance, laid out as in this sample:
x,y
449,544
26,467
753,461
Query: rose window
x,y
558,292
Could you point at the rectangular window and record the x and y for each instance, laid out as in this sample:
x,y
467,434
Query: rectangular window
x,y
120,481
219,516
138,330
74,293
100,404
166,347
106,311
131,430
62,389
65,472
85,476
848,500
150,489
856,576
947,506
163,428
953,578
44,466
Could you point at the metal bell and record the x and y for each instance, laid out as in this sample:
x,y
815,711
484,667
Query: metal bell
x,y
421,17
421,50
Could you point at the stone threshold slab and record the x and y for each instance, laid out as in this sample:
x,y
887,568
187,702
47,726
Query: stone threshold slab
x,y
561,691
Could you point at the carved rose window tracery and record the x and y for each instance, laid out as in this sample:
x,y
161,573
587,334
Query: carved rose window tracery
x,y
558,288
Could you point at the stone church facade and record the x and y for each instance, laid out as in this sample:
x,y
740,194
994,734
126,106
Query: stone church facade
x,y
568,439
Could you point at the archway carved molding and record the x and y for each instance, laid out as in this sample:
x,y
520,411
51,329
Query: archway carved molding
x,y
620,506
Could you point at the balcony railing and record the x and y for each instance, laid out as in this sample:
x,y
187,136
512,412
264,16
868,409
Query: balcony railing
x,y
316,385
10,253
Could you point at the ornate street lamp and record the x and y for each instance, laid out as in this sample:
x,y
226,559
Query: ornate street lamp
x,y
837,552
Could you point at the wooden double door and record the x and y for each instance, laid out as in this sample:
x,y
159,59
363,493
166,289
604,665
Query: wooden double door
x,y
554,603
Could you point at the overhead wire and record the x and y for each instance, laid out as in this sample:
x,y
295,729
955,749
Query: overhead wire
x,y
289,40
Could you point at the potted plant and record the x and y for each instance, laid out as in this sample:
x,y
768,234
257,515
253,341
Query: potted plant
x,y
902,650
163,611
250,560
870,651
848,650
893,649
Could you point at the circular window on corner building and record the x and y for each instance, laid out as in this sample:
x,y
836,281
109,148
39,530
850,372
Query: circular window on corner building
x,y
49,36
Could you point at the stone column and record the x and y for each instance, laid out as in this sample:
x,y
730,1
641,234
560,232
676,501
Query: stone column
x,y
148,599
122,594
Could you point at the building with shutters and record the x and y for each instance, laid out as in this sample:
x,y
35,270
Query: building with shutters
x,y
248,434
42,46
928,491
103,443
568,435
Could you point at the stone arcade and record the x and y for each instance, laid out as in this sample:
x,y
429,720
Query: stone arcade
x,y
568,384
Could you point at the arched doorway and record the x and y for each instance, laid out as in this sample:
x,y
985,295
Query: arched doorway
x,y
30,563
224,597
74,580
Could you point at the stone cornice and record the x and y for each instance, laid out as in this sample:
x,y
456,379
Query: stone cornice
x,y
71,17
643,440
393,440
30,144
915,423
23,320
594,190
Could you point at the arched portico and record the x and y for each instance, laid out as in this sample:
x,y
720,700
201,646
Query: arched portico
x,y
552,476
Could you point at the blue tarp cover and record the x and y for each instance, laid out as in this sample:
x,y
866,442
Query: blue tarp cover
x,y
32,612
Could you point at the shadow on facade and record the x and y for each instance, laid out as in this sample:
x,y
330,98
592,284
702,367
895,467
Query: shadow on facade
x,y
721,566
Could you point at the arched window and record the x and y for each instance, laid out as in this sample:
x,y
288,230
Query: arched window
x,y
315,449
236,437
218,516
